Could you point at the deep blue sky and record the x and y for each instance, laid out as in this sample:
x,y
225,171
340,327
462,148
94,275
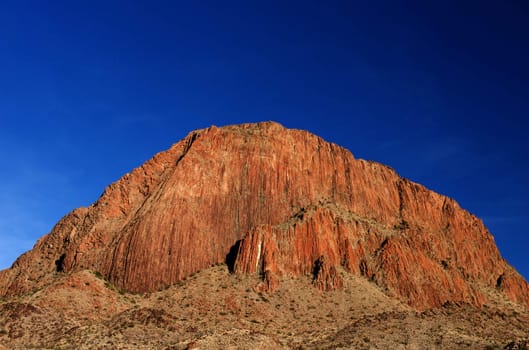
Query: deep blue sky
x,y
91,89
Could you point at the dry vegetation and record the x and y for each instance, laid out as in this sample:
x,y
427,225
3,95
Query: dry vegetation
x,y
214,309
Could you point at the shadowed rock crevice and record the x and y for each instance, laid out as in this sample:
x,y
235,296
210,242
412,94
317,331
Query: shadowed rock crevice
x,y
231,257
59,263
499,281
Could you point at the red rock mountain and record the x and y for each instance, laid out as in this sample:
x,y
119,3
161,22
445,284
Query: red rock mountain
x,y
280,203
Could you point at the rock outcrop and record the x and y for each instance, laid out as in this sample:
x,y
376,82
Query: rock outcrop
x,y
326,277
277,202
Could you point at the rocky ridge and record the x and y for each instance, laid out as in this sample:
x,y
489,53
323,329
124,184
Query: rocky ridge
x,y
278,203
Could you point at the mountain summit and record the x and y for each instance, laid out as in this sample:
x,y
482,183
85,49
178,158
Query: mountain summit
x,y
280,203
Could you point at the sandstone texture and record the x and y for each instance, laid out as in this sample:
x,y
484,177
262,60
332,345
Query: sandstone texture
x,y
279,203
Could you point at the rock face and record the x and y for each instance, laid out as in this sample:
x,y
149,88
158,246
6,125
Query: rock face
x,y
280,203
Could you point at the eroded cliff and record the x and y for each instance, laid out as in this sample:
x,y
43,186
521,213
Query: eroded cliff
x,y
278,202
